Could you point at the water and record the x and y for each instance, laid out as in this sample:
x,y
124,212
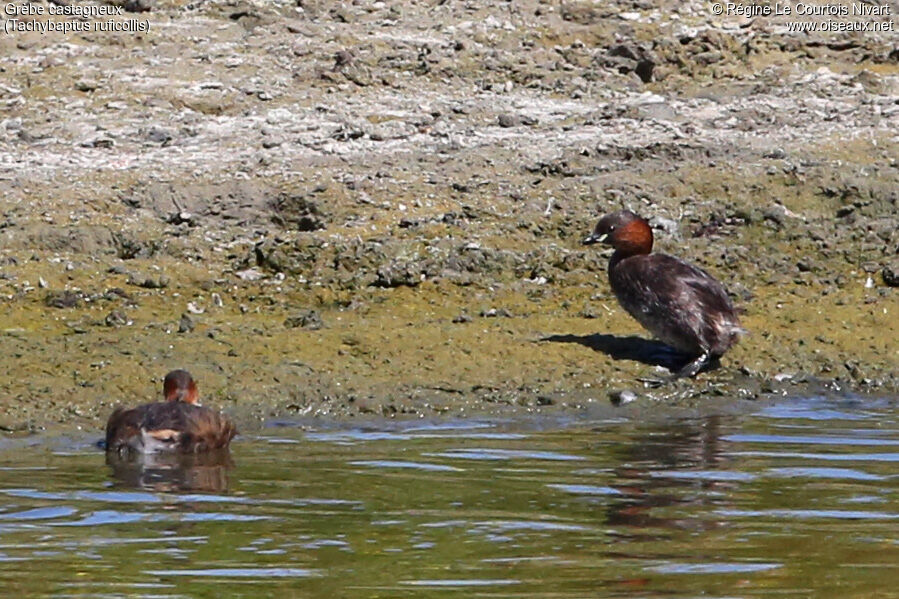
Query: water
x,y
798,499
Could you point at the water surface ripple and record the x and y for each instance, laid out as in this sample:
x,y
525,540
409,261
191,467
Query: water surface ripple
x,y
795,499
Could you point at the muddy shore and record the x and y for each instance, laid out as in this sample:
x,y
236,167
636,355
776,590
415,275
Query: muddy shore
x,y
338,209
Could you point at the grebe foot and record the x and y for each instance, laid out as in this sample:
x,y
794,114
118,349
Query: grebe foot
x,y
654,383
693,367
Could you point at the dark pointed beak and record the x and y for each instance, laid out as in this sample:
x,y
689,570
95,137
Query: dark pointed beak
x,y
595,238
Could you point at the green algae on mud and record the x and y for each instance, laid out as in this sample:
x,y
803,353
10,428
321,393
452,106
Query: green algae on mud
x,y
406,350
424,192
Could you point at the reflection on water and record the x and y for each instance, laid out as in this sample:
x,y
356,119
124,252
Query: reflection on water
x,y
798,499
172,472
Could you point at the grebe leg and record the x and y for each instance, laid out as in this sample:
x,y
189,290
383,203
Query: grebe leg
x,y
693,367
690,370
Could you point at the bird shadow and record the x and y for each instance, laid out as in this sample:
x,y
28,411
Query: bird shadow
x,y
653,353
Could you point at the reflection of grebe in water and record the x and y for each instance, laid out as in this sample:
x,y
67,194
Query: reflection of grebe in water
x,y
662,471
169,471
177,424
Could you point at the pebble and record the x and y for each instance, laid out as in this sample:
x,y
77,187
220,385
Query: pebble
x,y
116,318
250,274
890,274
507,120
138,5
149,282
186,324
159,135
308,319
99,142
62,299
668,225
86,85
622,397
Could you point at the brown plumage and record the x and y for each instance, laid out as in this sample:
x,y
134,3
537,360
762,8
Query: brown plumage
x,y
177,424
680,303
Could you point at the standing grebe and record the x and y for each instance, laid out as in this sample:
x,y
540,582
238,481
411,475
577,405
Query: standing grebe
x,y
681,304
177,424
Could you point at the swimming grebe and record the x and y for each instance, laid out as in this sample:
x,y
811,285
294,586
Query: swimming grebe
x,y
177,424
681,304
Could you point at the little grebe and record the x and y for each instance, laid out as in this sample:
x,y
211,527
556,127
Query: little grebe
x,y
177,424
681,304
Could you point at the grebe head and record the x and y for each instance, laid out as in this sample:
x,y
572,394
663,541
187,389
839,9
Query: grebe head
x,y
180,386
625,231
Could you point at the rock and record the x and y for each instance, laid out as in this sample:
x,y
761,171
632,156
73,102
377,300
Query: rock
x,y
299,211
632,58
307,319
350,131
182,218
496,313
115,294
250,274
230,200
341,14
116,318
668,225
342,58
391,130
358,74
78,239
147,282
805,265
186,324
398,274
62,299
159,135
621,397
461,318
775,214
129,248
99,142
138,5
79,326
890,274
507,120
584,13
707,58
844,211
870,81
86,85
870,266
